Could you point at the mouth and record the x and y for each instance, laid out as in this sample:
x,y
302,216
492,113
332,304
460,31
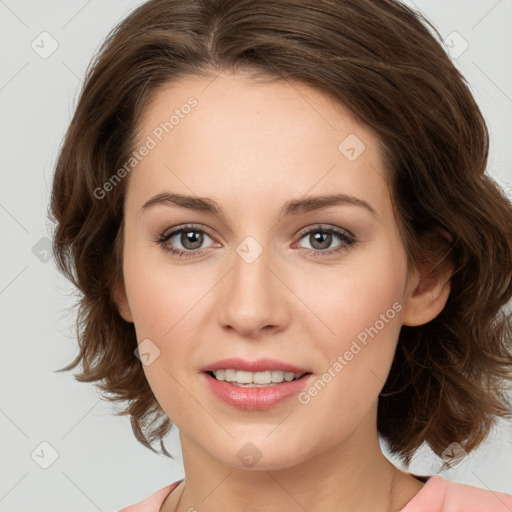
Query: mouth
x,y
255,396
255,384
243,378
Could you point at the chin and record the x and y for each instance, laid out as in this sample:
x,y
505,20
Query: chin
x,y
261,455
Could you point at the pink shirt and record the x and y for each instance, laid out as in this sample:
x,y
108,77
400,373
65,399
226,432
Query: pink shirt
x,y
437,495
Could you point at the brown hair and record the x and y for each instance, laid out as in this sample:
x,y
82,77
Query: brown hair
x,y
449,378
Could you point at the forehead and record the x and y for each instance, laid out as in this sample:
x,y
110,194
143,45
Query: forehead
x,y
236,104
228,134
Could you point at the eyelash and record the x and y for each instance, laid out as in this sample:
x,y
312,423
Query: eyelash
x,y
344,236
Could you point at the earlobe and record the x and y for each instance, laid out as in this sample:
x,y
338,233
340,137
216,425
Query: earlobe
x,y
427,298
121,302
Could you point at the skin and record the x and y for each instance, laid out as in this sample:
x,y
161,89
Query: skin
x,y
252,147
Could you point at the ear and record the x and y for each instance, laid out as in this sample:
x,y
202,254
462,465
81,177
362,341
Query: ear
x,y
121,301
426,294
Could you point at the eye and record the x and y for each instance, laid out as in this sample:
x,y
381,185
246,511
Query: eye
x,y
321,238
187,241
189,237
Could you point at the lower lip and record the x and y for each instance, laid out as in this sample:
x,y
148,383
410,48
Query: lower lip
x,y
256,398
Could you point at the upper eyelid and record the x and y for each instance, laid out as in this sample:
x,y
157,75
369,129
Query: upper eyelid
x,y
325,227
186,227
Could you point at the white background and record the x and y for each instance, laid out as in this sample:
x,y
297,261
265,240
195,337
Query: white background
x,y
100,465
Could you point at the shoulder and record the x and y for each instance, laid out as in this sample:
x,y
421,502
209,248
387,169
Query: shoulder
x,y
440,495
468,498
153,502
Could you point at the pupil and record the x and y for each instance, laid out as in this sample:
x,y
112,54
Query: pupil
x,y
191,239
324,239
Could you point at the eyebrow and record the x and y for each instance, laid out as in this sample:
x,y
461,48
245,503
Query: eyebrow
x,y
292,207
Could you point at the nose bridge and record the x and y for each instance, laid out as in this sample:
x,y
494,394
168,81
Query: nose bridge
x,y
253,296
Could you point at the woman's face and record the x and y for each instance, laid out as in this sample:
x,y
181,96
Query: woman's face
x,y
318,284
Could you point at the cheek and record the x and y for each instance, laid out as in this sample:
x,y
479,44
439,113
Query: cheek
x,y
352,297
161,295
165,302
362,309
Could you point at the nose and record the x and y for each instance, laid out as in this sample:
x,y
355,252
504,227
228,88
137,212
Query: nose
x,y
255,300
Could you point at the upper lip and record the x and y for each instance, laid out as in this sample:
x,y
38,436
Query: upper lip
x,y
258,365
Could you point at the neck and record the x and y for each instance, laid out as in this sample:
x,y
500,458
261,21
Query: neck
x,y
353,476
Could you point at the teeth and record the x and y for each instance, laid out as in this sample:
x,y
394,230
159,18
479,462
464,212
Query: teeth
x,y
257,378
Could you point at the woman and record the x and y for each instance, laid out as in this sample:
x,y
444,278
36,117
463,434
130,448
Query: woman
x,y
279,219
